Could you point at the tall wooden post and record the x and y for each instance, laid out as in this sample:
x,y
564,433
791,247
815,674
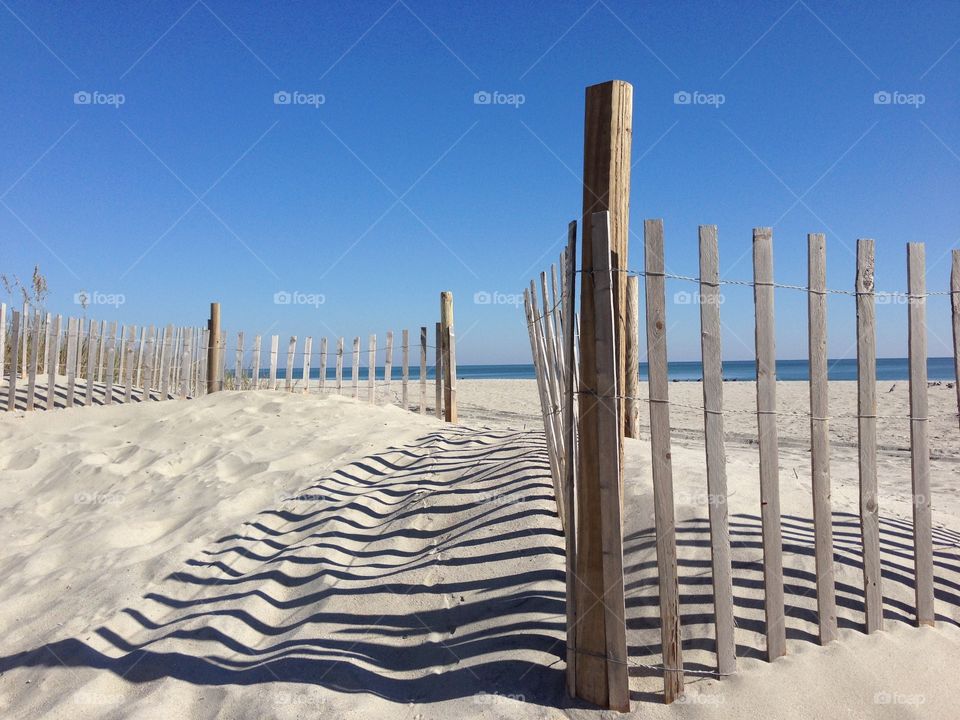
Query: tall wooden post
x,y
448,339
955,304
214,381
606,186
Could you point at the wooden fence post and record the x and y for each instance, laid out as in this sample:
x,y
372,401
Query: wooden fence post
x,y
53,335
423,370
606,414
72,338
438,372
340,366
274,350
238,363
14,355
214,383
33,361
307,352
405,359
355,370
767,435
660,460
570,461
291,352
388,364
819,436
919,444
323,363
3,339
129,368
148,367
606,186
165,358
111,364
449,353
372,370
632,401
711,356
955,305
867,435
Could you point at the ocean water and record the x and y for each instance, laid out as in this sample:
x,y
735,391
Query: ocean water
x,y
940,368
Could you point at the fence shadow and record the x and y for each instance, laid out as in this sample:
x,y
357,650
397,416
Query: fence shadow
x,y
696,591
427,572
99,395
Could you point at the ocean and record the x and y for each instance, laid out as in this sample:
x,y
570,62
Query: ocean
x,y
939,368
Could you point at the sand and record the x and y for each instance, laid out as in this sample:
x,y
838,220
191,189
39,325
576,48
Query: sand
x,y
258,555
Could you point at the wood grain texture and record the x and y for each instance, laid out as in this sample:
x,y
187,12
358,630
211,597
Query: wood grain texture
x,y
955,306
73,331
388,364
716,459
449,368
33,361
355,369
53,346
405,369
3,339
14,354
372,370
438,372
867,435
148,367
288,372
608,118
129,367
570,464
919,442
632,401
323,363
255,370
423,370
819,436
660,461
767,436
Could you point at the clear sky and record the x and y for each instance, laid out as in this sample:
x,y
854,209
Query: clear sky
x,y
174,178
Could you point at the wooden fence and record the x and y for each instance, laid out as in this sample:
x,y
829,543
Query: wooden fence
x,y
49,363
566,404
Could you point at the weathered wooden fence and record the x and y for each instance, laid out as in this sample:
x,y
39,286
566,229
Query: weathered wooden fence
x,y
49,363
564,399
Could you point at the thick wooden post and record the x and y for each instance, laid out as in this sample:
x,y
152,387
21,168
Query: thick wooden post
x,y
606,186
819,437
919,442
214,383
867,435
449,353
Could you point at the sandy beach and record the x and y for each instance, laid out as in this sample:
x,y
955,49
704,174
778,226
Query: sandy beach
x,y
279,555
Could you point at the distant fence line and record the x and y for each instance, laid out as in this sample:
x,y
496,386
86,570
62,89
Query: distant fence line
x,y
568,397
99,362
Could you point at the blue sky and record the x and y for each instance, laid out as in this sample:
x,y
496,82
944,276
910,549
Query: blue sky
x,y
200,187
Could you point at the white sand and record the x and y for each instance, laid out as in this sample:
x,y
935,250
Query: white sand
x,y
258,555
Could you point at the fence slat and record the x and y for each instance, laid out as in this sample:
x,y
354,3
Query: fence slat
x,y
131,358
340,366
33,361
631,401
438,372
185,363
388,364
291,351
72,331
111,356
552,363
711,355
548,402
3,339
148,367
255,370
607,414
307,352
93,350
372,370
919,444
355,370
569,489
405,359
323,363
238,363
955,304
14,354
423,370
819,438
274,349
660,461
53,335
165,358
767,436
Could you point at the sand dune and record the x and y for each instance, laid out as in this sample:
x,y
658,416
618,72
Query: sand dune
x,y
275,555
